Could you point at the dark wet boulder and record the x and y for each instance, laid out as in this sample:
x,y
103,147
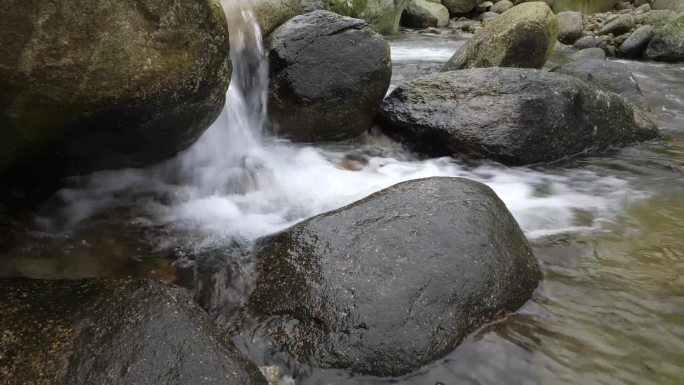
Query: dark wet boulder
x,y
96,84
609,75
514,116
424,14
112,332
523,36
394,281
383,15
667,43
329,74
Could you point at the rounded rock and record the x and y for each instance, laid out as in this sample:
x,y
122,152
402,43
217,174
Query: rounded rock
x,y
394,281
329,74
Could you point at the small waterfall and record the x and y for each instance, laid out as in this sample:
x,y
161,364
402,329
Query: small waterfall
x,y
223,160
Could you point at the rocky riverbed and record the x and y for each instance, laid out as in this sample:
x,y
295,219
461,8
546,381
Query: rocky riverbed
x,y
476,225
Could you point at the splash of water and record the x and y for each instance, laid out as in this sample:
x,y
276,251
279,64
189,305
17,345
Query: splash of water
x,y
236,183
223,161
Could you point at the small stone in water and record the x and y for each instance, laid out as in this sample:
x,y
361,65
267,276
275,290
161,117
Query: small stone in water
x,y
353,162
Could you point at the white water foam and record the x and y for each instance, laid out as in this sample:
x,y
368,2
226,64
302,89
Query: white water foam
x,y
235,183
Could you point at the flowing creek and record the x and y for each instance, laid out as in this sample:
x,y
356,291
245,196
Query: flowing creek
x,y
608,232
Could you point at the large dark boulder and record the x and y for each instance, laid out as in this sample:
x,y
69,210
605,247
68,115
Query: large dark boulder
x,y
524,36
112,332
383,15
95,84
394,281
609,75
329,74
512,115
667,43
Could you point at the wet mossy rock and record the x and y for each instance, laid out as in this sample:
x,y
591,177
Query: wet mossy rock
x,y
394,281
524,36
112,332
667,43
96,84
512,115
329,74
585,6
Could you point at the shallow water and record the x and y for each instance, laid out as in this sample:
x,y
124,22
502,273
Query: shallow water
x,y
608,231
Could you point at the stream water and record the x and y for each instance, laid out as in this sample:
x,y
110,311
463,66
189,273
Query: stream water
x,y
608,230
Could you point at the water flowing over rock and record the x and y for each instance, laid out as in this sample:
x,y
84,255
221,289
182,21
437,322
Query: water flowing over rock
x,y
394,281
523,36
94,84
609,75
113,332
514,116
329,74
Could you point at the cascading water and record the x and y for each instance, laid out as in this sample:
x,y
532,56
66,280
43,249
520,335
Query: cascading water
x,y
238,183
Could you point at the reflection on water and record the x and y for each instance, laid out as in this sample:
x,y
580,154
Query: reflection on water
x,y
608,231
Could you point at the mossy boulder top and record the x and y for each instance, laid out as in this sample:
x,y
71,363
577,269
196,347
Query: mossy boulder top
x,y
96,84
523,36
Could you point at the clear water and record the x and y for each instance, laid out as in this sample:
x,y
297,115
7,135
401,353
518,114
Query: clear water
x,y
608,230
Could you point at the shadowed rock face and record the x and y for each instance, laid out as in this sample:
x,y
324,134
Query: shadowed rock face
x,y
95,84
512,115
394,281
112,332
329,74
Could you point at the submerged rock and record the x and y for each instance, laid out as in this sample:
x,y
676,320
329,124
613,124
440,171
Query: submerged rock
x,y
94,84
667,43
514,116
609,75
394,281
329,74
112,332
523,36
424,14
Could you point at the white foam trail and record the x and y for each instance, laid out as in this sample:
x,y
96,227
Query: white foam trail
x,y
234,183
